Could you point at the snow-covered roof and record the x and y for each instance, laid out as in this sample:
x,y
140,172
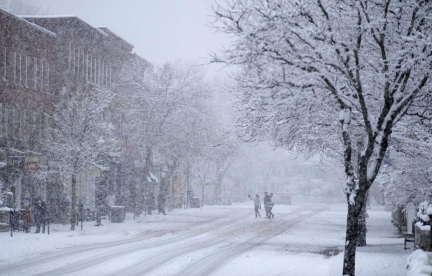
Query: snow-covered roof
x,y
109,31
31,25
63,17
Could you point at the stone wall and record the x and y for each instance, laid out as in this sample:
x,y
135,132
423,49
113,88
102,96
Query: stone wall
x,y
422,237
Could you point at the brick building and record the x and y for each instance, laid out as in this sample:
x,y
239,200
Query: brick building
x,y
39,55
85,57
25,104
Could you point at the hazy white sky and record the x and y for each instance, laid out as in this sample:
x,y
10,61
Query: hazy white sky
x,y
160,30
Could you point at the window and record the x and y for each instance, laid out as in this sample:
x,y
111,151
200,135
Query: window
x,y
41,126
1,120
87,67
110,80
70,55
47,72
35,129
107,75
13,122
91,69
20,69
74,59
42,75
83,63
99,71
102,73
24,124
15,67
4,59
94,70
47,123
26,72
6,121
35,73
19,123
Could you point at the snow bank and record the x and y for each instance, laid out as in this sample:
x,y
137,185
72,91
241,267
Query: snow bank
x,y
429,210
422,227
418,263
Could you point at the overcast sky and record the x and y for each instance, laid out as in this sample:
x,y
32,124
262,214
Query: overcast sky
x,y
160,30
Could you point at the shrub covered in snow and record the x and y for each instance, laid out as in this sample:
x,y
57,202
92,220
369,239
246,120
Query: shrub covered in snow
x,y
418,263
422,213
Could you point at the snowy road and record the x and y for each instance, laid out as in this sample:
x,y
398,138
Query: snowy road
x,y
226,241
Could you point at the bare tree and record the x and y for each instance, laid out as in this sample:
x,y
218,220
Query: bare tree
x,y
162,107
304,62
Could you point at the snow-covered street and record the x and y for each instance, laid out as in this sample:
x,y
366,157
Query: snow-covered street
x,y
216,240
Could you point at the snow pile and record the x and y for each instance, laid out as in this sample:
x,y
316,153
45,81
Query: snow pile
x,y
422,227
418,263
429,210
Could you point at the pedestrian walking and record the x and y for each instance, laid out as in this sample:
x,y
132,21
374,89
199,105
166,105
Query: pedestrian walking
x,y
257,203
270,206
161,203
45,215
38,215
27,219
149,201
266,204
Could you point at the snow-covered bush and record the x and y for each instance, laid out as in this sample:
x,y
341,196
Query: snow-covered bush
x,y
418,263
422,213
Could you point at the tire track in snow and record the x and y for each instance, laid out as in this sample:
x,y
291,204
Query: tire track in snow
x,y
79,264
210,263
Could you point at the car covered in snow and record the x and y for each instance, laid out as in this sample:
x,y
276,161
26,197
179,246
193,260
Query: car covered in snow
x,y
283,198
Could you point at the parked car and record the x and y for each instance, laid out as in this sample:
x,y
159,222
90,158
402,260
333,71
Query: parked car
x,y
283,198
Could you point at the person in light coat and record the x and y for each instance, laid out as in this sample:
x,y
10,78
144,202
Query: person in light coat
x,y
257,203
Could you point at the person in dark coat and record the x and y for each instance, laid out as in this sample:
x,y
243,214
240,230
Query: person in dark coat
x,y
149,201
27,219
38,215
270,204
266,204
45,215
161,203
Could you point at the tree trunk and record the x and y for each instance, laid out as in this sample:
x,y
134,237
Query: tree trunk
x,y
350,241
73,204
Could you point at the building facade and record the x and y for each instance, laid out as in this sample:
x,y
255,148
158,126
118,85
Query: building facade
x,y
39,56
25,105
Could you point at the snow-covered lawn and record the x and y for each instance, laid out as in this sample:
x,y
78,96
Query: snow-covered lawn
x,y
222,240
